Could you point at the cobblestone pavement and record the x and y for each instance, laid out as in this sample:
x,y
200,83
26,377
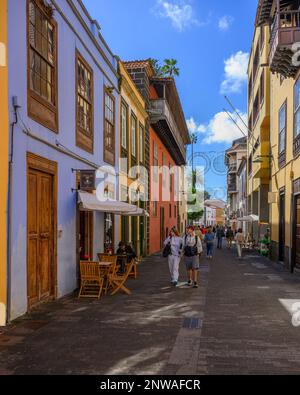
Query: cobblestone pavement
x,y
238,322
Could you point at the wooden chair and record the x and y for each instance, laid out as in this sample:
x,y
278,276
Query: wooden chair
x,y
134,272
118,281
91,280
111,270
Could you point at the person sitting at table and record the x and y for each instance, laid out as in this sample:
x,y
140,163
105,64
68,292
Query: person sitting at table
x,y
121,251
130,253
121,248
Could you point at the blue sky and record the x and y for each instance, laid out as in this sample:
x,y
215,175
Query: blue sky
x,y
211,41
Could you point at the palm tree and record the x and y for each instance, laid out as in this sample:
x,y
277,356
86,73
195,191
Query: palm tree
x,y
170,68
157,67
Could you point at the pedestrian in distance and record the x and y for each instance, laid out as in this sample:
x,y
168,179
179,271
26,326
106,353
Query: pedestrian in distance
x,y
220,235
192,252
229,237
203,230
199,233
240,241
209,241
175,244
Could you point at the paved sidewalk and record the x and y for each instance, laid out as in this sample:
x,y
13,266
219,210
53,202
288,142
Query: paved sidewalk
x,y
237,322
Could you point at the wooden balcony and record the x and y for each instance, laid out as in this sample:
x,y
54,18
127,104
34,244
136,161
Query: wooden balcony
x,y
232,184
232,168
163,122
285,31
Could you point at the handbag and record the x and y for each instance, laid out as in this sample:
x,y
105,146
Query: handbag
x,y
190,251
167,250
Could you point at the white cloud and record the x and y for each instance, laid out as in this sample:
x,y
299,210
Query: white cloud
x,y
225,22
220,129
194,127
235,73
180,12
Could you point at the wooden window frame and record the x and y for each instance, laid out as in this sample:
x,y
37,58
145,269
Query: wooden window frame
x,y
164,174
255,63
124,151
170,178
256,109
262,88
38,108
124,105
112,152
83,140
282,154
141,149
155,162
296,139
262,38
155,209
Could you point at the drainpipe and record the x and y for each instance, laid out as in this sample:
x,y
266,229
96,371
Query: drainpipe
x,y
9,208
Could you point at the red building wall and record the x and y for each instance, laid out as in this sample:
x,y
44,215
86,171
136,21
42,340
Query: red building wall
x,y
158,232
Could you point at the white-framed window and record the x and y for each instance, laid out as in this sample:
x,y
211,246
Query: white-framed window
x,y
133,135
142,144
124,126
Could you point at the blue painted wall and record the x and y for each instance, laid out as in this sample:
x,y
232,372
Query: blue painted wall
x,y
68,41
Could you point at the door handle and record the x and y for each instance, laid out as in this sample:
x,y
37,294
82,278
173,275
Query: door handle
x,y
44,235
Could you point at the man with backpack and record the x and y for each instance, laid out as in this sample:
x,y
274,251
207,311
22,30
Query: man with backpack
x,y
192,247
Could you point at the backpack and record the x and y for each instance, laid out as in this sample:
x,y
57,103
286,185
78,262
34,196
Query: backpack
x,y
167,250
191,250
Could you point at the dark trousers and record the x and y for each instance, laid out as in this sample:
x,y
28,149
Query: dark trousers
x,y
220,242
209,248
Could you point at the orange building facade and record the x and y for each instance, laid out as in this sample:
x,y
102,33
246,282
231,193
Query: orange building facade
x,y
163,214
165,152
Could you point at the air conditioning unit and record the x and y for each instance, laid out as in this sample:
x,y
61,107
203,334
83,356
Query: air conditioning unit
x,y
272,197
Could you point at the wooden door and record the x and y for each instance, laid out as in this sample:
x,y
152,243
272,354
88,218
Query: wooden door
x,y
297,233
282,228
86,235
40,236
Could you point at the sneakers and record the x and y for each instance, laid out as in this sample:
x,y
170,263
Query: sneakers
x,y
189,283
195,285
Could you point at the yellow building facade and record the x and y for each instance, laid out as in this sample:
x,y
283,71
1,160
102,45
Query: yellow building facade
x,y
3,155
258,145
285,186
133,177
281,18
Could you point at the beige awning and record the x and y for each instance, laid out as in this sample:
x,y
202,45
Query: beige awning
x,y
90,202
214,203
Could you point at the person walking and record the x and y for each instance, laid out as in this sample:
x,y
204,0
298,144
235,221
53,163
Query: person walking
x,y
192,252
229,237
176,244
209,241
199,233
240,241
220,234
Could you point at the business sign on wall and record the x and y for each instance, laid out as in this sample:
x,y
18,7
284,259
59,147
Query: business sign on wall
x,y
87,180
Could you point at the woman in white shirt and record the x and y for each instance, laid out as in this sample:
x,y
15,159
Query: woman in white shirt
x,y
174,258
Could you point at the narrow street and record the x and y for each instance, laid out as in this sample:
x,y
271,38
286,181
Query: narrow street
x,y
235,323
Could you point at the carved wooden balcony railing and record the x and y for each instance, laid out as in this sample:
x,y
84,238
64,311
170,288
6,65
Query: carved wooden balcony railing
x,y
285,32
